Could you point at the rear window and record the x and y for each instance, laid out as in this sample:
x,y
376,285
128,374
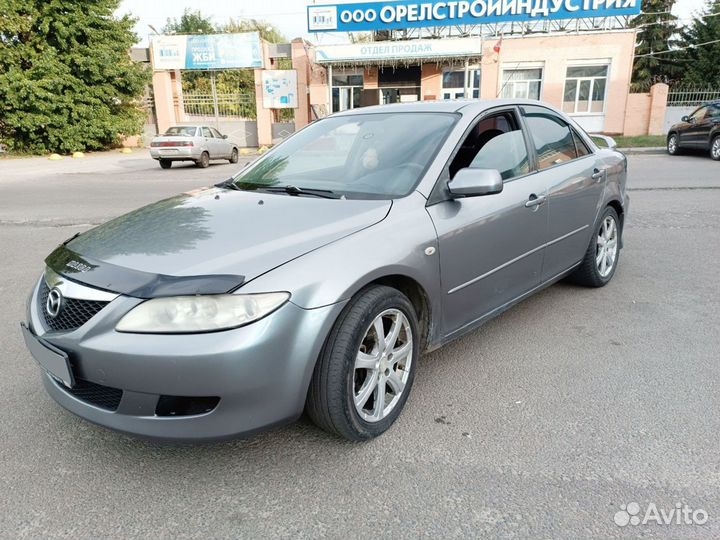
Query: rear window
x,y
187,131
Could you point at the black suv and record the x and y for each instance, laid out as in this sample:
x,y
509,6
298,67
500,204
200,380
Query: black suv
x,y
700,130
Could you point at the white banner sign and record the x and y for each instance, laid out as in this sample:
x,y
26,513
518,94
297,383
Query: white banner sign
x,y
399,50
279,89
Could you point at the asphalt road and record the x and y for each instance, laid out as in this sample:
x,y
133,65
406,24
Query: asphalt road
x,y
539,425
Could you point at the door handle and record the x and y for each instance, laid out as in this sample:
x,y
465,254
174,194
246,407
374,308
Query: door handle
x,y
598,174
534,200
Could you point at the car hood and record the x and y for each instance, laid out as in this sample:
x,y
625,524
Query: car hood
x,y
223,232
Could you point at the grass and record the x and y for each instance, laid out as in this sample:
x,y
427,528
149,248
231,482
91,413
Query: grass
x,y
640,141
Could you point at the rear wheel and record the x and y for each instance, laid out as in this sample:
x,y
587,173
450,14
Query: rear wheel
x,y
715,148
234,156
673,146
165,163
601,257
365,371
204,160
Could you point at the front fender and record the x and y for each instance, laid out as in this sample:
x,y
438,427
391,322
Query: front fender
x,y
335,272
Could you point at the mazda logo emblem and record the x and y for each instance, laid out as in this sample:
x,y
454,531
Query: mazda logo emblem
x,y
54,302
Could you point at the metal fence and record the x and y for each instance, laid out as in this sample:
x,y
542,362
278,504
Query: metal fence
x,y
240,105
688,97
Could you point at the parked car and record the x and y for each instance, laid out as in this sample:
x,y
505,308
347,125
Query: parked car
x,y
700,131
192,143
316,277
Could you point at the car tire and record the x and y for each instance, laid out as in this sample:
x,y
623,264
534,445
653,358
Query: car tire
x,y
673,144
165,163
600,261
204,160
715,148
234,155
343,398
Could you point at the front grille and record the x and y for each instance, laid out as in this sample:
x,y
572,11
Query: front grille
x,y
73,313
105,397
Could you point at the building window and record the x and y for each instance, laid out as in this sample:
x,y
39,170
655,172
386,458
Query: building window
x,y
585,89
522,83
453,84
346,89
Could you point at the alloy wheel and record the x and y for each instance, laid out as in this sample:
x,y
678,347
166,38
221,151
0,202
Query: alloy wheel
x,y
382,365
607,246
715,150
672,144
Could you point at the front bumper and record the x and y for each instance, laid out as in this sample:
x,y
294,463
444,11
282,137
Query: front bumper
x,y
259,372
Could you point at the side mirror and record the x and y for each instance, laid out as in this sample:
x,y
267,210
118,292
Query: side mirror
x,y
474,182
606,141
685,119
224,136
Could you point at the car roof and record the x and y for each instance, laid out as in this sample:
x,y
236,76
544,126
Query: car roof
x,y
469,106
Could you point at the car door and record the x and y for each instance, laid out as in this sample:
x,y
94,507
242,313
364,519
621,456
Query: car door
x,y
574,178
491,246
698,128
224,147
209,142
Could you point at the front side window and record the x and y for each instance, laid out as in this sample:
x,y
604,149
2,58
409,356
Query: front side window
x,y
551,136
206,132
581,146
216,133
495,142
585,89
699,115
366,156
522,83
714,111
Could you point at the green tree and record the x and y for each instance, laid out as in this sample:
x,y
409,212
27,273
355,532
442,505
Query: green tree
x,y
702,62
190,22
67,81
656,33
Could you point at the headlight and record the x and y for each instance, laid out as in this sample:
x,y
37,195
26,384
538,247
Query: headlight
x,y
188,314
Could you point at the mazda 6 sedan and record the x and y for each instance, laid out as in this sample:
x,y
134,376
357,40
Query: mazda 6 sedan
x,y
315,278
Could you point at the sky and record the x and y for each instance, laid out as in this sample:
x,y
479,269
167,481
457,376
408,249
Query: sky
x,y
287,15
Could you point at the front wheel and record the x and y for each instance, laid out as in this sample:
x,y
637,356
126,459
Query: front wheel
x,y
204,160
365,371
234,156
601,257
673,146
715,148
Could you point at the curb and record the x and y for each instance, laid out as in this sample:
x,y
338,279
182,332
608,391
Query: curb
x,y
644,150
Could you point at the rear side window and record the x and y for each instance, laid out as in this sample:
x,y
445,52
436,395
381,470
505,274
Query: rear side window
x,y
551,135
580,147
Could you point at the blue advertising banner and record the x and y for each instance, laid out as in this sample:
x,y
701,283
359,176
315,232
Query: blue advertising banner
x,y
212,51
366,16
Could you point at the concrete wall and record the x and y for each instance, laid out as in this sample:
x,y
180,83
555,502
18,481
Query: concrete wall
x,y
674,114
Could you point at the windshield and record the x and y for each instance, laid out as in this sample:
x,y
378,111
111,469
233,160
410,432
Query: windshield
x,y
371,156
188,131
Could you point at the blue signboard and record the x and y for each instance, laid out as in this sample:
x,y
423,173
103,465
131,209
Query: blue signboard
x,y
213,51
366,16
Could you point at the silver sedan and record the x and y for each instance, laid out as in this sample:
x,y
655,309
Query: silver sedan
x,y
192,143
316,277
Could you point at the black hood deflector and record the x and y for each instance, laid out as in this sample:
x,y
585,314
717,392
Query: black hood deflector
x,y
136,283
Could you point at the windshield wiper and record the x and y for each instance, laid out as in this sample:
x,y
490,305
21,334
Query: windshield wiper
x,y
295,191
228,184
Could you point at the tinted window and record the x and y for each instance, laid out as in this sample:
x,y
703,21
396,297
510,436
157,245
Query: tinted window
x,y
580,147
699,114
206,132
715,111
551,135
378,156
506,153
